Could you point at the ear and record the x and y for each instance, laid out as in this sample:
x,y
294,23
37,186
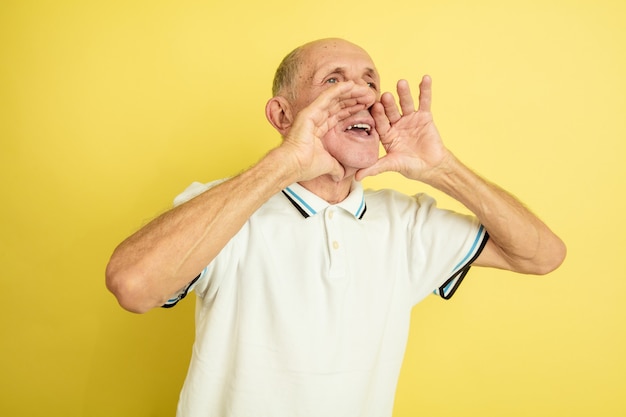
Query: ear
x,y
279,113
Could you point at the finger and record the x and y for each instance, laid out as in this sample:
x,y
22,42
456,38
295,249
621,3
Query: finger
x,y
351,102
380,119
337,102
379,167
332,105
347,94
325,120
332,97
345,112
391,110
425,93
346,98
363,95
405,97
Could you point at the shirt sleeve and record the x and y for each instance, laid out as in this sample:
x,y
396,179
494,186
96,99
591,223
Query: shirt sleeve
x,y
447,290
182,293
193,190
445,245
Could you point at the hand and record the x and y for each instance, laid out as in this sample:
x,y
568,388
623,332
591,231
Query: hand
x,y
411,140
303,139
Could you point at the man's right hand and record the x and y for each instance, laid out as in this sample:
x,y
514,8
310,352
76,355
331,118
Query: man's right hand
x,y
303,140
164,256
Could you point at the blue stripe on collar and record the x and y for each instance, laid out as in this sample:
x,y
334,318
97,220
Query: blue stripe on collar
x,y
361,211
299,202
309,204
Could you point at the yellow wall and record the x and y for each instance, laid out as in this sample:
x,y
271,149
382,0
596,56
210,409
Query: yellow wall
x,y
109,108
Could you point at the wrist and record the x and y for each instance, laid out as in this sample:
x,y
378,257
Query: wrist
x,y
280,166
440,176
459,182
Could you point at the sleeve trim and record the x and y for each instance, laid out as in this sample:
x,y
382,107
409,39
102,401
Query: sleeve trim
x,y
182,293
447,290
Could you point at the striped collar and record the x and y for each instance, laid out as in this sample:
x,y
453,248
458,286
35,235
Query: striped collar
x,y
309,204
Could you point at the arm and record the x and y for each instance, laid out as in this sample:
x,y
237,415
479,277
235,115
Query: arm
x,y
519,241
170,251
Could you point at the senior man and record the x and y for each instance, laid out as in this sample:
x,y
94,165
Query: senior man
x,y
305,282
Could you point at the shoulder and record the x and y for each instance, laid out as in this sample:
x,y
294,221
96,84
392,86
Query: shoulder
x,y
388,199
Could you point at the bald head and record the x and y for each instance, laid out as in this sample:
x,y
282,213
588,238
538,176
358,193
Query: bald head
x,y
289,70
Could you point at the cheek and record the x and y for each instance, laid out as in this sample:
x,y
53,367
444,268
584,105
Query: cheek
x,y
330,139
371,154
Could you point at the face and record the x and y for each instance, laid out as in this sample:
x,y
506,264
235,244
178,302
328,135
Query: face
x,y
353,142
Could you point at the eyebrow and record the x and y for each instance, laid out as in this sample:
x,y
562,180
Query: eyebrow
x,y
371,72
368,71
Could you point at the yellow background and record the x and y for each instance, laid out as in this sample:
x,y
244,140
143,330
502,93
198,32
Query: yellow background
x,y
110,108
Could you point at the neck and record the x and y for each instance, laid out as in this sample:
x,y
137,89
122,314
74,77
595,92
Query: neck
x,y
331,191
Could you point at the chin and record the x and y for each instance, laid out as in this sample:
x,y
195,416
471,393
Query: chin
x,y
354,164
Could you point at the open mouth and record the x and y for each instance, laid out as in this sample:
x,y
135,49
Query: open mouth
x,y
362,129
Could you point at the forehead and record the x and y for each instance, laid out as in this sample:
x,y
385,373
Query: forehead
x,y
335,54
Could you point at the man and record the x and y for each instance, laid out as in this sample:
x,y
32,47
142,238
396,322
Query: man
x,y
305,282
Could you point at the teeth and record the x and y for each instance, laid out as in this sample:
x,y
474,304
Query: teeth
x,y
364,126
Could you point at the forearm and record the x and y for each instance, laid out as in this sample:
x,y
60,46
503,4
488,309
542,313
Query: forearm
x,y
519,240
170,251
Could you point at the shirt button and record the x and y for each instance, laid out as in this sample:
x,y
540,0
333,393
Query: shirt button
x,y
335,245
331,214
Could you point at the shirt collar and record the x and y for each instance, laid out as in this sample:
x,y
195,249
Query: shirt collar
x,y
309,204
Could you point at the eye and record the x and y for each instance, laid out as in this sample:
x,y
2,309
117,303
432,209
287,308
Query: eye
x,y
372,86
332,80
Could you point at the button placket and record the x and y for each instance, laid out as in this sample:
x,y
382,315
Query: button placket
x,y
334,242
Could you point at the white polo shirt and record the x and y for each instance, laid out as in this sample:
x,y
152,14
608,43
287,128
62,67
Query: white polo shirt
x,y
306,310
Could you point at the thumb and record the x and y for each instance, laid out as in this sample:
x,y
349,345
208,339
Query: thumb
x,y
382,165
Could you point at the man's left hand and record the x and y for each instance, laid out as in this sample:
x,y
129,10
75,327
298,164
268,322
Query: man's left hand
x,y
411,140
